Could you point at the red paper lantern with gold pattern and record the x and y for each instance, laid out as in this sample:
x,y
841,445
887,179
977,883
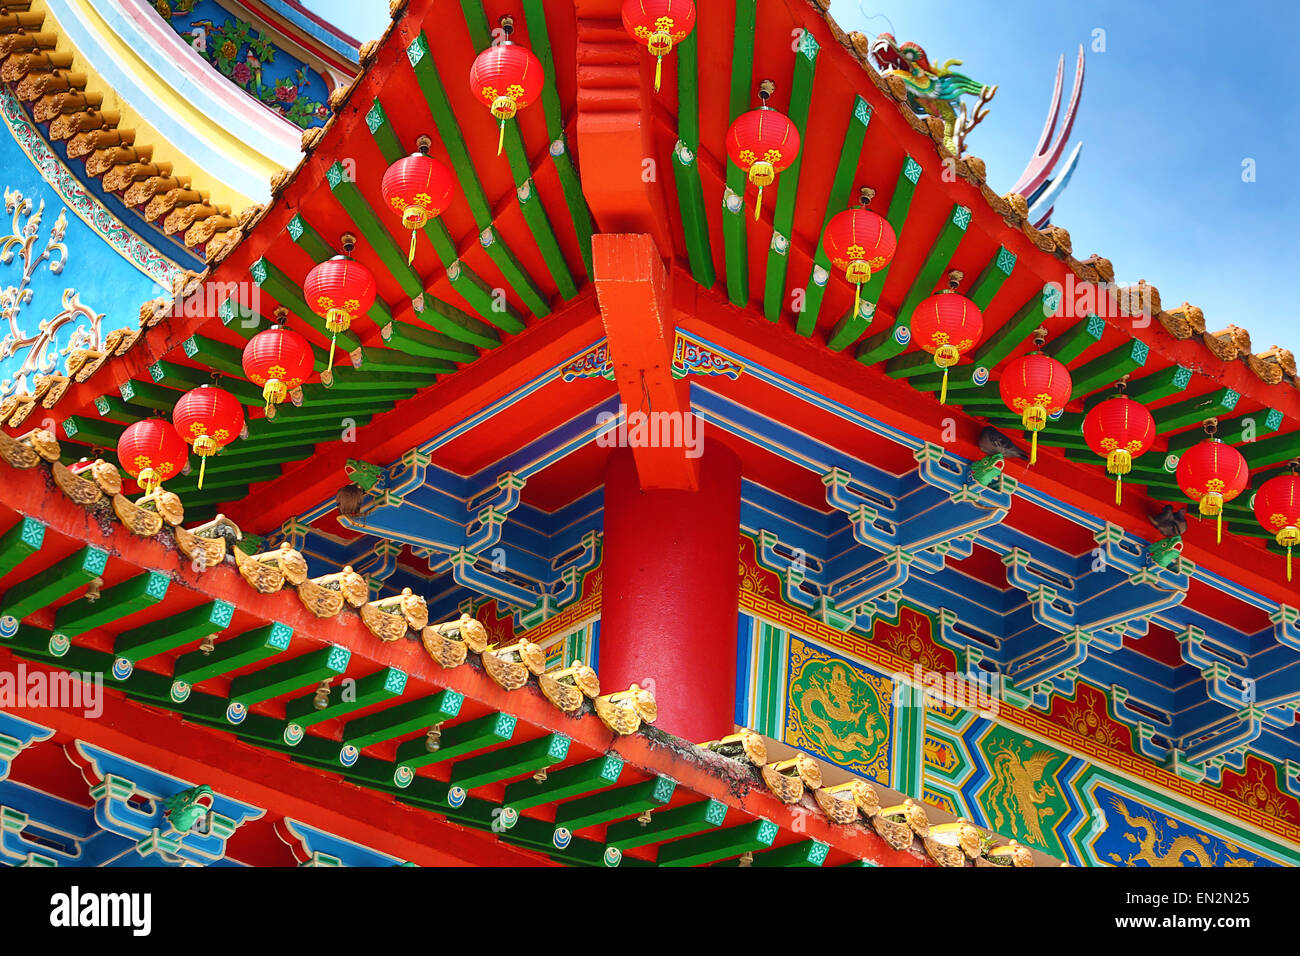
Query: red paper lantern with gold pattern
x,y
277,360
860,243
506,77
1277,508
1036,386
660,25
208,418
947,325
418,188
1121,430
763,142
151,452
339,290
1212,474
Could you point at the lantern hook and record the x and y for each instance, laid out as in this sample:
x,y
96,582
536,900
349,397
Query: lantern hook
x,y
1040,337
765,91
1211,426
954,279
349,242
507,26
865,195
423,144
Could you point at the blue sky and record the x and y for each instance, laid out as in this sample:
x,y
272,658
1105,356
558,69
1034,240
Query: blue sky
x,y
1181,96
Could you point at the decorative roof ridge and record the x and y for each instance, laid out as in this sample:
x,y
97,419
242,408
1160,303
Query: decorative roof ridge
x,y
54,93
1273,367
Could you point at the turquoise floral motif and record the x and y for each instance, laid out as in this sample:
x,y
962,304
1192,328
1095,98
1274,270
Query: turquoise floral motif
x,y
250,60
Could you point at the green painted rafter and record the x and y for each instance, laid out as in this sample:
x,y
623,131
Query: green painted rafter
x,y
805,66
889,342
464,280
421,58
734,214
686,171
981,292
850,326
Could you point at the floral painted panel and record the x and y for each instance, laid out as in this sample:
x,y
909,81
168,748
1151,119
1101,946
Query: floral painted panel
x,y
250,60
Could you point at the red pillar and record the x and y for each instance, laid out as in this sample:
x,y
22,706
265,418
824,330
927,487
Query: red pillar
x,y
670,592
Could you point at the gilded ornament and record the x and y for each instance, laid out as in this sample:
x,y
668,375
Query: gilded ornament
x,y
744,745
139,521
16,453
444,646
837,803
261,572
194,544
81,491
567,687
321,600
787,787
624,710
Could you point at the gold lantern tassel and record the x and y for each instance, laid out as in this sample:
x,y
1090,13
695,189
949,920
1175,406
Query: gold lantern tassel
x,y
1033,448
333,339
501,139
758,206
410,256
659,71
857,299
1288,562
1119,487
1218,528
943,389
203,467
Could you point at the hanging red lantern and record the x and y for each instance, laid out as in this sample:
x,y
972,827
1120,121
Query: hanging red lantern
x,y
277,360
660,25
947,325
859,242
1036,386
339,290
151,452
1121,429
419,188
507,77
763,142
1277,508
208,418
1212,474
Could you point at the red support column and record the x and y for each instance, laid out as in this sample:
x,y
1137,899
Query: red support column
x,y
670,592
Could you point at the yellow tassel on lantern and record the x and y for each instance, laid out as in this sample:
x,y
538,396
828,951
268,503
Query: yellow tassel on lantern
x,y
501,138
1288,537
1034,419
945,356
659,71
1119,463
1211,506
410,256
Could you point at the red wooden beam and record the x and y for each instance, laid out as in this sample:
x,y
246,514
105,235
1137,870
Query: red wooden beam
x,y
621,179
632,287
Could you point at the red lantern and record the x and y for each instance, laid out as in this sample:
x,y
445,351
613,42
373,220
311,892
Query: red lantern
x,y
339,290
151,452
208,418
763,142
1212,474
1121,429
660,25
419,188
859,242
507,77
1035,385
947,325
277,360
1277,508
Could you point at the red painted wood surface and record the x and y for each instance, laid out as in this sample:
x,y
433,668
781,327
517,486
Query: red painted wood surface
x,y
669,610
